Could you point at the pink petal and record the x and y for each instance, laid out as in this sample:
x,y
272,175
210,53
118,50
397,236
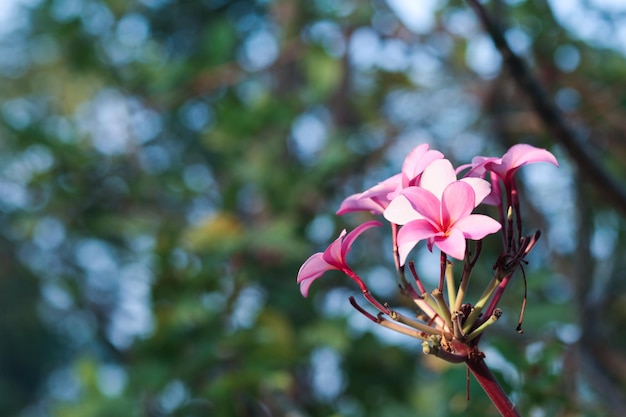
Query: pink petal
x,y
351,237
311,269
462,168
453,244
437,176
481,188
355,202
304,287
458,202
523,154
404,249
477,226
400,211
495,197
374,199
416,161
411,233
425,203
480,165
332,254
382,189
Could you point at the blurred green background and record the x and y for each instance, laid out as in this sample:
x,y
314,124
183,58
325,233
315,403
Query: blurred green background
x,y
166,167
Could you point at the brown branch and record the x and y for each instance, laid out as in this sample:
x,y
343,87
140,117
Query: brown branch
x,y
580,151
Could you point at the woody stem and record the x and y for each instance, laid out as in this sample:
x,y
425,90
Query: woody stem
x,y
490,385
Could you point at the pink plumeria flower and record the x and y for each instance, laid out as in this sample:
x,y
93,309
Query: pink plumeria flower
x,y
505,167
518,156
435,178
333,258
374,200
377,198
416,162
440,211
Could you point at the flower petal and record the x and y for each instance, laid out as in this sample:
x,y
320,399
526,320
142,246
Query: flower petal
x,y
374,199
384,188
495,196
437,176
519,155
523,154
479,166
481,188
356,202
351,237
416,161
332,254
400,211
425,203
457,202
311,269
453,244
411,233
477,226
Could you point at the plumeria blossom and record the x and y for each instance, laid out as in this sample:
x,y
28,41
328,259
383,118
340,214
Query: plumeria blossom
x,y
426,201
374,200
502,170
439,210
505,167
333,258
518,156
377,198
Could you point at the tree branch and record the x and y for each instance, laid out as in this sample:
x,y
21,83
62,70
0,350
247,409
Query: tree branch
x,y
580,151
491,387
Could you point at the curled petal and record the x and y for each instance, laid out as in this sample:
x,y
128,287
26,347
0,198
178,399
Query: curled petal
x,y
374,199
334,257
356,202
523,154
312,269
333,253
479,166
416,161
382,190
351,237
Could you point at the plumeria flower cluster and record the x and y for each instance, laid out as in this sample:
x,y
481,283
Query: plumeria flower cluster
x,y
432,202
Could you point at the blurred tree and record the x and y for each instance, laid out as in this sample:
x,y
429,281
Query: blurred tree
x,y
167,166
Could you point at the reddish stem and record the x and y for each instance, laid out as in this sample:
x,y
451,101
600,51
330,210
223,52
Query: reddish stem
x,y
443,260
495,298
492,388
418,281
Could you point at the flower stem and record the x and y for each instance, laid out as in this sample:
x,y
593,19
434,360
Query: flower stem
x,y
490,385
465,277
483,326
395,316
478,308
450,284
444,310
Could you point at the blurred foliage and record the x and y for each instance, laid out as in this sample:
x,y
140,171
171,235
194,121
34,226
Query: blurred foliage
x,y
168,165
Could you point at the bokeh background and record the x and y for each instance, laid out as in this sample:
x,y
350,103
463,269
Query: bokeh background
x,y
166,166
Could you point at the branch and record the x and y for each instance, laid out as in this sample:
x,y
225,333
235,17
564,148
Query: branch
x,y
491,387
578,148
